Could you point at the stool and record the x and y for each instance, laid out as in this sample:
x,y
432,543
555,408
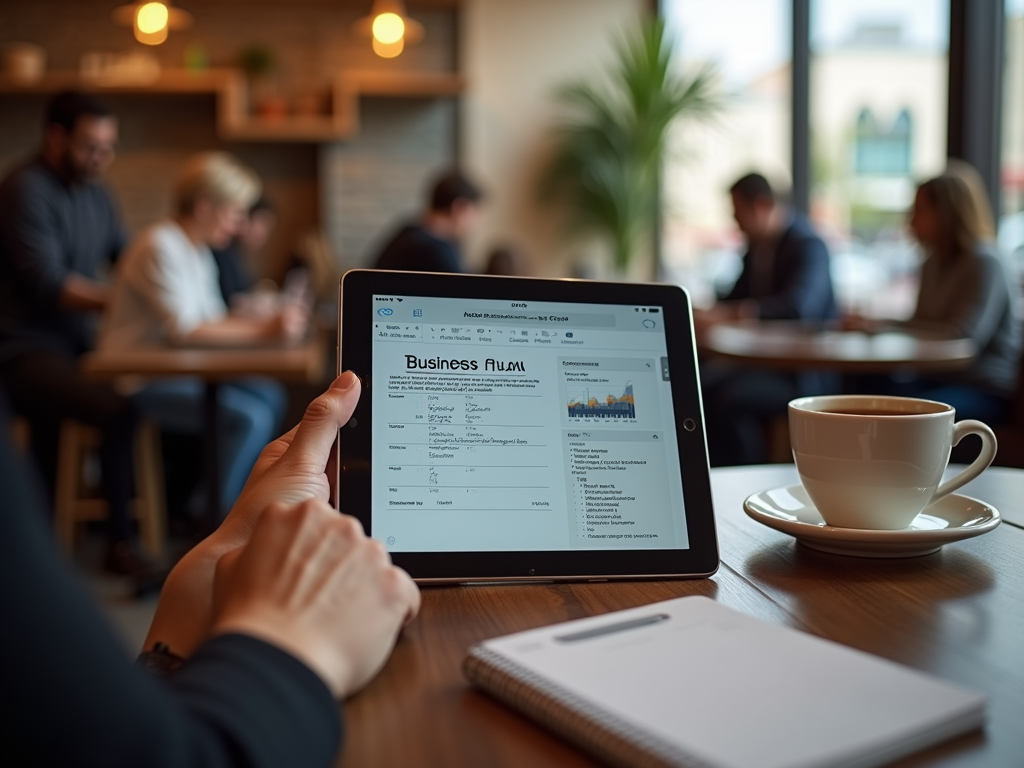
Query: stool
x,y
73,507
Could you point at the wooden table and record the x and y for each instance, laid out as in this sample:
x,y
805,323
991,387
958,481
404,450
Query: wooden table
x,y
293,363
297,363
786,345
958,614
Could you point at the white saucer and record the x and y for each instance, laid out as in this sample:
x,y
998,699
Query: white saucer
x,y
955,517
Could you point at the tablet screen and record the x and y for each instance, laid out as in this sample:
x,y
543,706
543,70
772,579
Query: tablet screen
x,y
518,426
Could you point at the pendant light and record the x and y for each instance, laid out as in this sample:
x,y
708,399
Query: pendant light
x,y
151,20
389,27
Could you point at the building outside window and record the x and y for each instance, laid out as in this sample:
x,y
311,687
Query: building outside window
x,y
882,151
878,95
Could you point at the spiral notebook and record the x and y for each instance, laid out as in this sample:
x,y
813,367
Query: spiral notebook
x,y
690,682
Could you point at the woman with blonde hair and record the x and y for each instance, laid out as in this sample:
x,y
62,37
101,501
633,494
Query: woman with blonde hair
x,y
966,291
166,292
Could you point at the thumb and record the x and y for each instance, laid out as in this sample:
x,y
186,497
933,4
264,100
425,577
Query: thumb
x,y
315,435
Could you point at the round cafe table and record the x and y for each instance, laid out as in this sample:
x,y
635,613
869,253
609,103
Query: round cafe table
x,y
794,346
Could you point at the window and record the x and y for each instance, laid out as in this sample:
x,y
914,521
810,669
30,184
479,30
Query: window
x,y
700,244
878,86
878,94
1011,222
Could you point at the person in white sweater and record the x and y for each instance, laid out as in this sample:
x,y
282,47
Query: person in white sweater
x,y
166,292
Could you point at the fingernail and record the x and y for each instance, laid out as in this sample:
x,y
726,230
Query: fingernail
x,y
347,380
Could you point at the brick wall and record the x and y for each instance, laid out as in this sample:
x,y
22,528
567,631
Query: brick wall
x,y
370,186
354,190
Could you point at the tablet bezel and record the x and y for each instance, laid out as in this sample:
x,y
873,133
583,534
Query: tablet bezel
x,y
355,350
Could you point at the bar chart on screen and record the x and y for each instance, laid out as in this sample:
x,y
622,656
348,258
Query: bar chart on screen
x,y
584,403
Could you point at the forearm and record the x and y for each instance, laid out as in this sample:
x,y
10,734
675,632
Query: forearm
x,y
84,295
184,614
233,330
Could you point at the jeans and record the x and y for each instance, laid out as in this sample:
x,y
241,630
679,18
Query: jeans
x,y
249,416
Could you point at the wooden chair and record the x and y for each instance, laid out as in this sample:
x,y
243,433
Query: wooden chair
x,y
74,506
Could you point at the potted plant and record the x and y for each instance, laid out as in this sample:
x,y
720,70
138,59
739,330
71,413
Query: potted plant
x,y
610,147
257,61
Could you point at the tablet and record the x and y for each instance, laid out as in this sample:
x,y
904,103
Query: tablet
x,y
525,429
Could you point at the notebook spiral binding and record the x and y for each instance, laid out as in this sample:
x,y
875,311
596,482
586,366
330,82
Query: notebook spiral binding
x,y
607,737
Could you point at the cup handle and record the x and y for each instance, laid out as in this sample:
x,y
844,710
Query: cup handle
x,y
988,452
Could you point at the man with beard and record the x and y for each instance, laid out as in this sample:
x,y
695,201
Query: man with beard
x,y
59,230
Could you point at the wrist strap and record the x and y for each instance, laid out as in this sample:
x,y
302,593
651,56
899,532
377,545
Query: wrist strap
x,y
159,662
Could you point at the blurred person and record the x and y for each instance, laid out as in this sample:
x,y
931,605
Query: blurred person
x,y
260,629
432,243
59,231
507,261
234,262
966,291
785,276
243,295
166,292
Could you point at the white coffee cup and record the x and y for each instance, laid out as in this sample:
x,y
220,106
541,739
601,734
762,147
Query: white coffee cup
x,y
876,462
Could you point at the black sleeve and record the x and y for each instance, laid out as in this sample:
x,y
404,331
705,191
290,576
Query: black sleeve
x,y
69,695
231,272
440,258
118,235
741,288
29,231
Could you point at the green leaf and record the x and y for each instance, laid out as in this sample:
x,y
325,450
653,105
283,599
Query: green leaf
x,y
610,143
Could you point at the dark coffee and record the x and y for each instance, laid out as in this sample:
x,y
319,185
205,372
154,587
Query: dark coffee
x,y
869,412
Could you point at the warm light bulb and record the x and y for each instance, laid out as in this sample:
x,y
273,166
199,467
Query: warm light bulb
x,y
151,18
388,28
388,50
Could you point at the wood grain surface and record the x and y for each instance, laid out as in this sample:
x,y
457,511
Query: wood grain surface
x,y
300,363
958,614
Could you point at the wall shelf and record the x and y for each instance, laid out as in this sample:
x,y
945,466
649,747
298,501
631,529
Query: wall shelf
x,y
234,119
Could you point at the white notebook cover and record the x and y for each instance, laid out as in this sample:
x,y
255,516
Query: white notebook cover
x,y
700,684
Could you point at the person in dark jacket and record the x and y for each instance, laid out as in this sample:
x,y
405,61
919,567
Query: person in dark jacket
x,y
59,232
260,629
785,276
432,243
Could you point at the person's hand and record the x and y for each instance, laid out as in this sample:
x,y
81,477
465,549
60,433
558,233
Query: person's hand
x,y
722,312
292,322
294,468
855,322
310,582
